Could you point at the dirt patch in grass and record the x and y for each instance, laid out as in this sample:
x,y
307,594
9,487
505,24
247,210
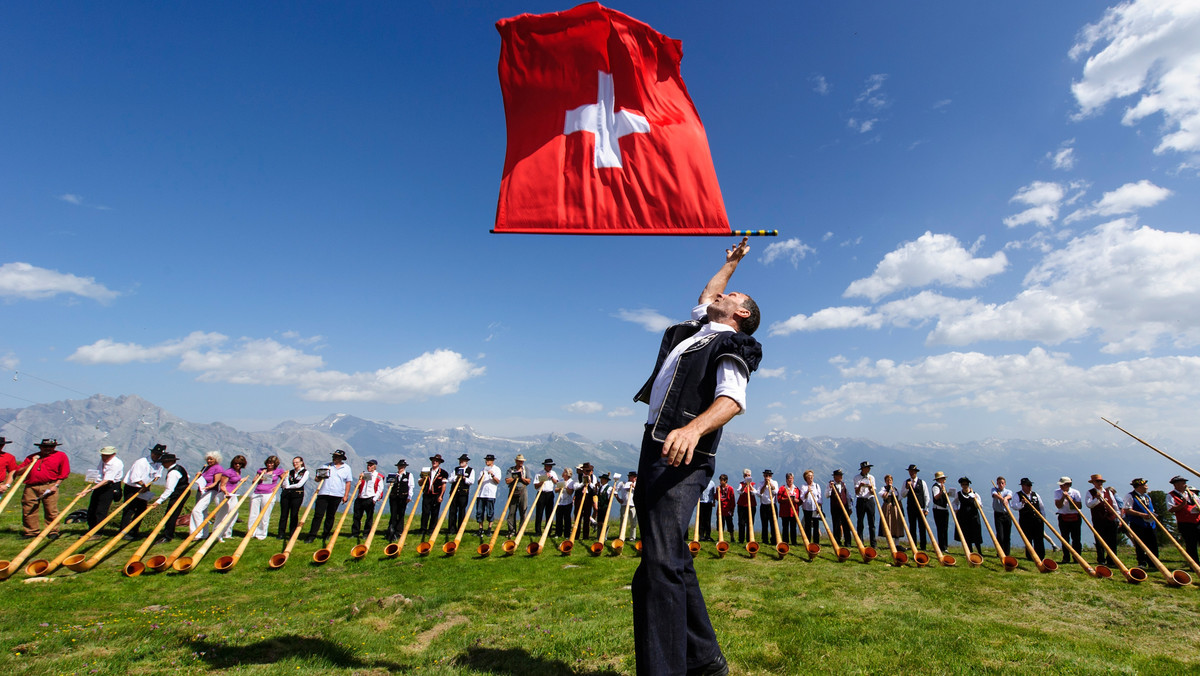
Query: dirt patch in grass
x,y
425,638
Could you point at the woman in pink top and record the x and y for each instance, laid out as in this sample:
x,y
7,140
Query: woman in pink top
x,y
260,499
233,475
212,479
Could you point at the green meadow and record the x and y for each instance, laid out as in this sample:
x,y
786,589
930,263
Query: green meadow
x,y
556,614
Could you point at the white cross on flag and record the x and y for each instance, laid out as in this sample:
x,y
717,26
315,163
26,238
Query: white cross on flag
x,y
602,135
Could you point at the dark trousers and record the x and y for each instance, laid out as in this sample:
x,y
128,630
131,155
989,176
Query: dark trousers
x,y
706,510
133,510
1108,532
458,513
562,521
543,506
812,526
516,511
100,503
168,530
1003,530
917,528
671,630
745,519
1035,532
728,526
941,519
866,509
841,525
769,536
289,511
1149,537
1190,532
399,506
429,512
1070,530
324,510
585,521
788,528
362,506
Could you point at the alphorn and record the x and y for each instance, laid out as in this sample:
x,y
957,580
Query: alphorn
x,y
426,546
360,550
186,564
974,558
842,553
619,544
7,568
323,554
780,546
694,545
225,563
1186,557
79,565
394,548
898,557
1043,565
535,548
1133,575
598,546
277,560
751,546
1176,578
722,545
1071,550
567,545
158,562
945,558
486,548
1009,562
12,490
134,566
451,547
1147,445
868,553
510,546
42,567
920,557
811,547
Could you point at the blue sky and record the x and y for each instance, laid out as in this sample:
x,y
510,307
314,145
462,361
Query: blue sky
x,y
254,213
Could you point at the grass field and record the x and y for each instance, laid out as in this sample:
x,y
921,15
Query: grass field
x,y
554,614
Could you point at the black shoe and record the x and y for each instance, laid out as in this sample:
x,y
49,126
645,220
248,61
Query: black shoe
x,y
52,536
131,537
308,539
718,667
162,541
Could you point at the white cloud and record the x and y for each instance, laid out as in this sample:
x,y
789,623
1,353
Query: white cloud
x,y
862,126
931,259
872,94
620,412
1064,157
1041,389
9,361
585,407
792,250
827,236
22,280
776,420
1148,47
1124,200
1044,200
267,362
77,200
820,84
780,372
649,319
942,104
829,318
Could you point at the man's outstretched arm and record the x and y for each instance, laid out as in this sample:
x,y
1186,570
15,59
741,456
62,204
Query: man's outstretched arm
x,y
717,284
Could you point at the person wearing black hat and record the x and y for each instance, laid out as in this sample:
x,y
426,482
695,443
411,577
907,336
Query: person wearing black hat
x,y
966,509
768,493
142,472
585,486
1183,504
1138,510
838,491
106,489
176,484
485,506
291,498
8,464
1103,519
402,492
517,479
916,496
1070,523
864,500
434,492
334,493
1030,524
697,386
464,475
370,492
543,485
41,486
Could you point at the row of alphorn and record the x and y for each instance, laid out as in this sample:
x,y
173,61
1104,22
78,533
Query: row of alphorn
x,y
181,563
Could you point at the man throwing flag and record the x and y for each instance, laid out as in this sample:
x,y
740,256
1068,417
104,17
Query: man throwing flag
x,y
698,385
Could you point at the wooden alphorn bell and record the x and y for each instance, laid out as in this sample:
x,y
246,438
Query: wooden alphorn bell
x,y
598,546
159,562
7,568
1009,562
1133,575
1087,568
973,558
781,547
1186,557
868,553
394,548
567,545
510,546
450,547
185,564
43,567
323,554
485,548
77,563
277,560
134,566
842,553
535,548
811,547
751,546
722,545
899,558
424,547
225,563
619,544
1043,565
1176,578
921,558
360,550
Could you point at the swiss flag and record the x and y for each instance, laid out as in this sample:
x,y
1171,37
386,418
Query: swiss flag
x,y
602,135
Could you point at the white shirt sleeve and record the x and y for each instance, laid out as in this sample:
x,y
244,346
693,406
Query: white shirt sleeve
x,y
732,379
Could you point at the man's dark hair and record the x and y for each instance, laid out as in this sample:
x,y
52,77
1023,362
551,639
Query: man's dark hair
x,y
749,325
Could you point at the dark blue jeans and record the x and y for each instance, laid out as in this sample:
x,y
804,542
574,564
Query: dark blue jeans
x,y
671,630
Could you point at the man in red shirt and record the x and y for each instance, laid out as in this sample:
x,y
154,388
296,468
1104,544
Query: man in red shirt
x,y
41,486
8,467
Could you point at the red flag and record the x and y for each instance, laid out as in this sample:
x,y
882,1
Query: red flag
x,y
602,135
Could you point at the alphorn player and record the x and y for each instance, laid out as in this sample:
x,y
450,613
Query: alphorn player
x,y
517,479
564,515
697,386
1031,525
398,501
1182,503
941,509
8,465
262,498
1002,496
334,493
889,496
208,487
1103,520
465,475
728,503
143,472
628,496
864,501
707,500
434,493
41,487
788,499
1070,524
746,503
810,501
291,498
916,503
370,491
585,499
111,469
841,523
176,484
966,510
485,505
766,503
1138,508
543,485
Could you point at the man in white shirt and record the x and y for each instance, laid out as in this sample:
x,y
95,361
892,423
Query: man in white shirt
x,y
464,478
916,496
402,493
1070,523
334,493
176,484
625,492
370,492
864,486
143,472
543,485
110,470
766,502
485,506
